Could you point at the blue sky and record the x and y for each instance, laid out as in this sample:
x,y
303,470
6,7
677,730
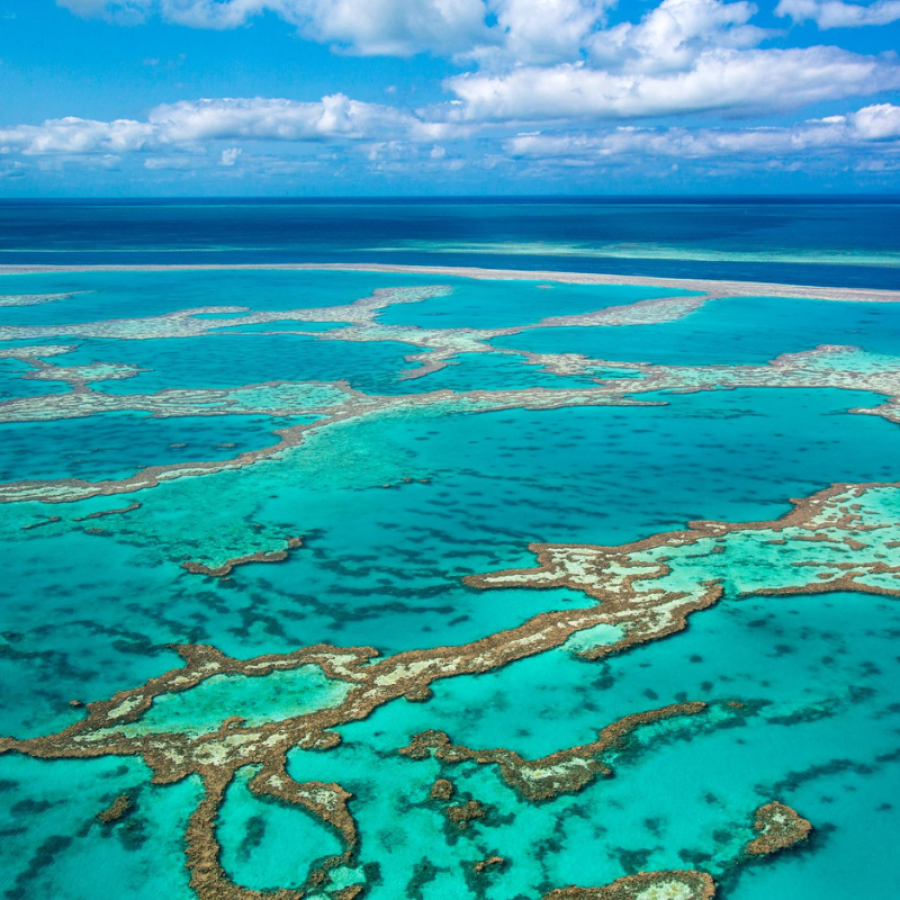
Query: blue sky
x,y
341,97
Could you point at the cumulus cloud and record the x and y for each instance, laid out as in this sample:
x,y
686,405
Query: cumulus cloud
x,y
870,124
838,14
539,31
684,56
74,135
187,123
878,122
674,34
277,120
733,81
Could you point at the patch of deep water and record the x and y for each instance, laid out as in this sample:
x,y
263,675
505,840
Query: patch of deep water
x,y
232,360
54,846
117,444
13,384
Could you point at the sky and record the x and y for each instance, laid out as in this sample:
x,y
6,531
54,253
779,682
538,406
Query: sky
x,y
447,97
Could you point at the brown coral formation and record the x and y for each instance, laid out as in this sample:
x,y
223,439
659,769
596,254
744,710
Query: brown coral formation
x,y
327,802
442,789
226,568
121,511
463,814
621,578
565,771
52,520
491,862
778,827
118,809
674,885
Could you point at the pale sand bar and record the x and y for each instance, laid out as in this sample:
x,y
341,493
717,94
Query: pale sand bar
x,y
712,288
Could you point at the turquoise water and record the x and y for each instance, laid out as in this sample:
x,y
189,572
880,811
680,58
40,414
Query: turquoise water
x,y
281,325
489,371
54,846
394,507
116,445
223,360
109,295
498,304
254,699
13,385
732,331
266,844
803,667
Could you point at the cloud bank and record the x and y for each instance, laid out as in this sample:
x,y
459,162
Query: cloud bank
x,y
564,83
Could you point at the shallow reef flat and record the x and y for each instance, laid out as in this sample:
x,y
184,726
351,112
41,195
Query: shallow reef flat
x,y
726,288
332,583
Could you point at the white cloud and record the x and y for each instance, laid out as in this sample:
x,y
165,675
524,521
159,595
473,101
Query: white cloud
x,y
539,31
395,27
279,120
187,123
838,14
878,122
727,80
674,34
868,125
73,135
230,156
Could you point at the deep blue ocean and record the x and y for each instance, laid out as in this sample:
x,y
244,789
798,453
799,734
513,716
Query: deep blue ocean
x,y
827,241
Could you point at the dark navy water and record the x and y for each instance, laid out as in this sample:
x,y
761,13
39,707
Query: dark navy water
x,y
828,241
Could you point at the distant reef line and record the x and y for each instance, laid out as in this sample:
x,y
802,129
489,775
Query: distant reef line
x,y
715,288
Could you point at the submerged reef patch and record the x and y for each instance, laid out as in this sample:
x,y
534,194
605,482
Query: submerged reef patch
x,y
226,568
778,827
675,885
561,772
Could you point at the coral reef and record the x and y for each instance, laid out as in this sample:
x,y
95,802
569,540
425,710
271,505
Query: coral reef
x,y
118,809
562,772
675,885
778,827
226,568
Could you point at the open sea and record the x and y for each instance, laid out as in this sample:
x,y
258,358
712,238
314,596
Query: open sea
x,y
343,583
829,241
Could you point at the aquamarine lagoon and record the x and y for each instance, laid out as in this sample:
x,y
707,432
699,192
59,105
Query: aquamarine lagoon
x,y
391,581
